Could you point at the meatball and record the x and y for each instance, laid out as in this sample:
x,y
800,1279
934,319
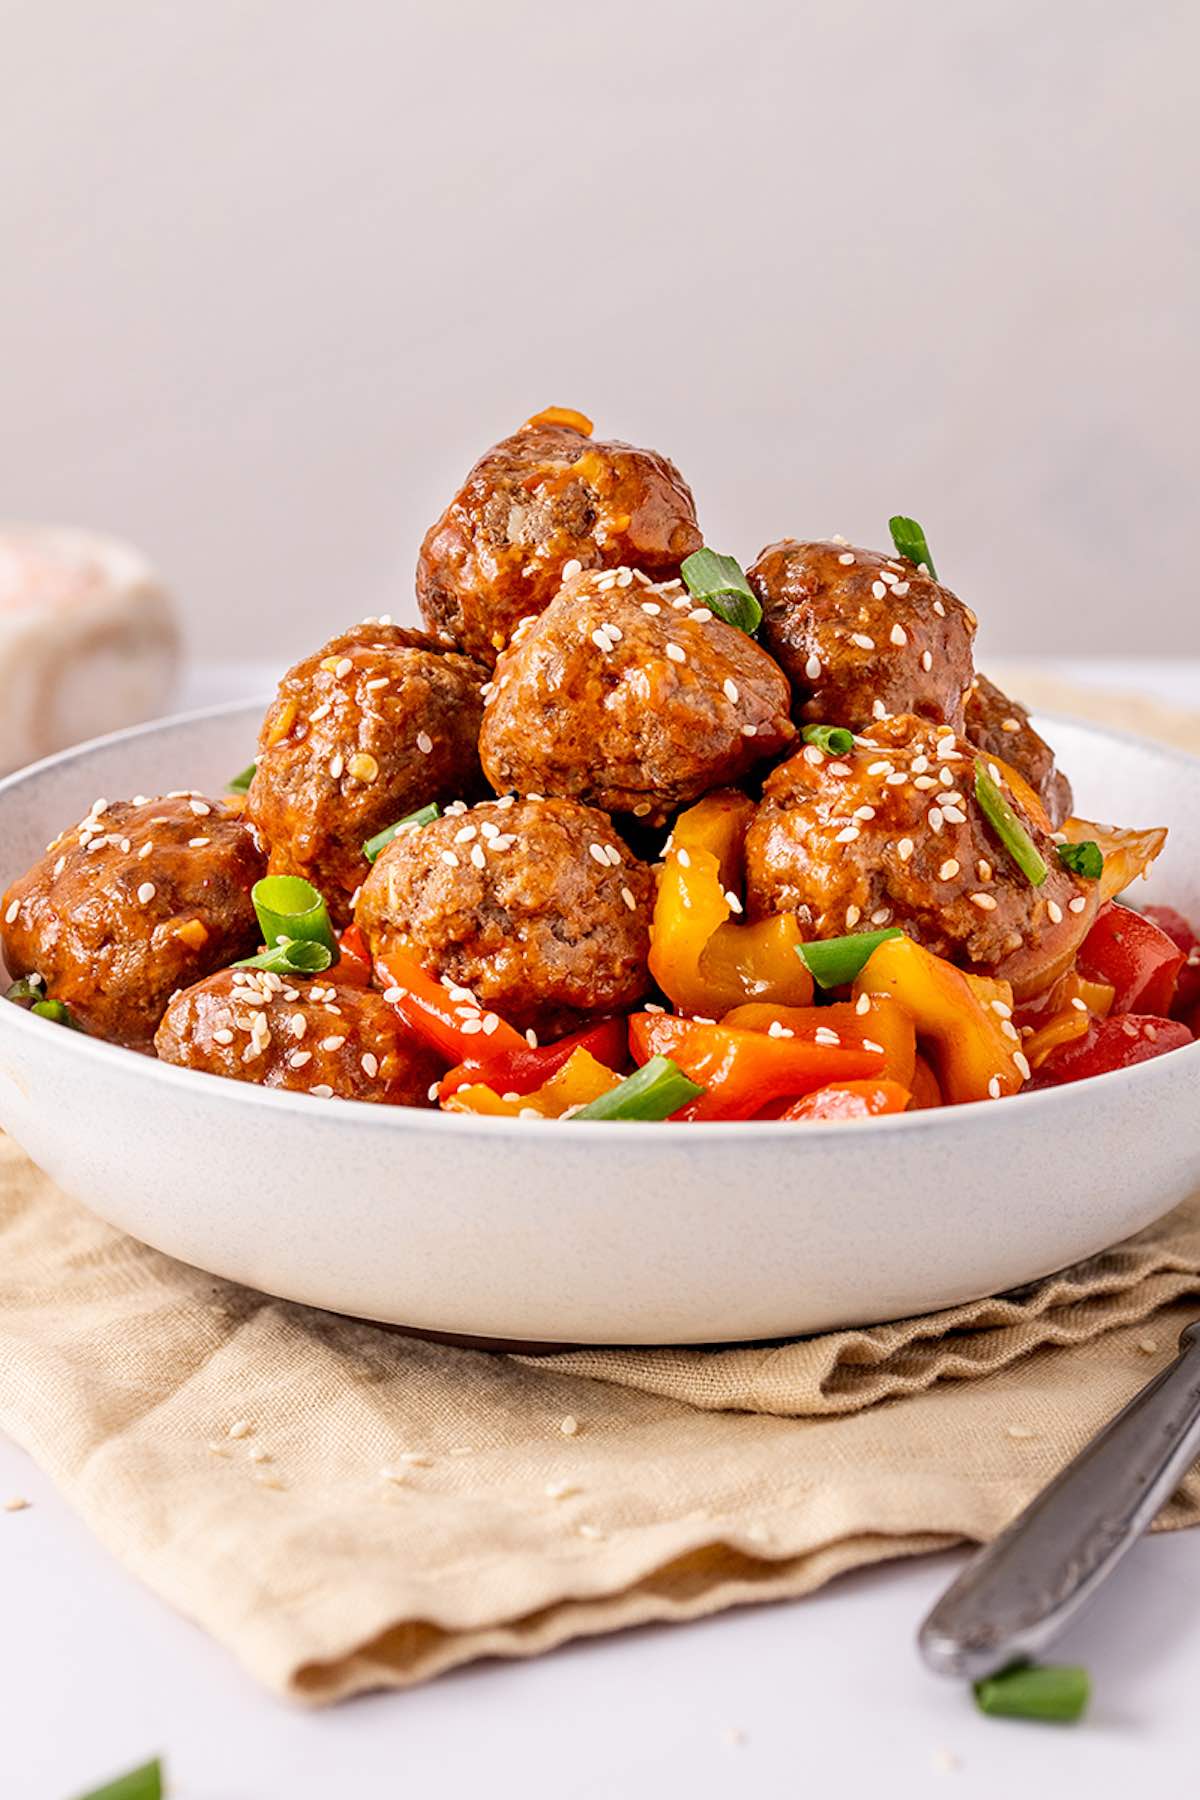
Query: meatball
x,y
143,897
863,636
630,696
891,834
376,724
320,1037
534,905
536,507
1001,727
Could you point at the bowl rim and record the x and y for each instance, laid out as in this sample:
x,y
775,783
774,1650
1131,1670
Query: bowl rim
x,y
407,1118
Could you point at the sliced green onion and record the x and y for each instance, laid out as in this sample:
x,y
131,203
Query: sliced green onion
x,y
1060,1693
288,908
425,815
909,539
655,1091
1086,859
240,783
140,1784
1008,828
26,992
58,1012
294,956
835,740
720,583
832,962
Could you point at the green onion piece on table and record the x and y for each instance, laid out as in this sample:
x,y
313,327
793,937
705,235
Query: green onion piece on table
x,y
240,783
410,822
832,962
1059,1693
26,992
655,1091
296,956
835,740
719,582
909,539
1008,828
140,1784
289,908
57,1011
1086,859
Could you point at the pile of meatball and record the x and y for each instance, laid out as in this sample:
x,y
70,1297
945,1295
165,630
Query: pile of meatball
x,y
568,697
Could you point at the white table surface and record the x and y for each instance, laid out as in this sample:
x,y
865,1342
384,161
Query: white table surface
x,y
825,1694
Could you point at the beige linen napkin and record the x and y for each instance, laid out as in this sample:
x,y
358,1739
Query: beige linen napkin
x,y
347,1507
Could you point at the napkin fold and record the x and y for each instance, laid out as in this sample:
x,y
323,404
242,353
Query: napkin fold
x,y
348,1507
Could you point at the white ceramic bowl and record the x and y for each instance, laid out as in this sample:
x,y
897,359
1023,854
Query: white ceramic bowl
x,y
595,1233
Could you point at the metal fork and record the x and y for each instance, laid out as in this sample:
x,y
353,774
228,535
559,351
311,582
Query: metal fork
x,y
1018,1593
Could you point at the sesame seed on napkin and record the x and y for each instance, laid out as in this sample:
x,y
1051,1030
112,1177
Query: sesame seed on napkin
x,y
348,1507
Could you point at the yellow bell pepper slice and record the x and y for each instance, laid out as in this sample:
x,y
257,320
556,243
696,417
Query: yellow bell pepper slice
x,y
702,961
958,1024
580,1080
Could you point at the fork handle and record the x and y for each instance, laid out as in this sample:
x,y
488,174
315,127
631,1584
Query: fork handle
x,y
1016,1594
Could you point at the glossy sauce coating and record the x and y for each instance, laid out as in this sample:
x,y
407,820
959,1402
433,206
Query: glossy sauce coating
x,y
374,725
861,635
891,834
535,506
142,897
630,696
535,905
317,1037
1001,727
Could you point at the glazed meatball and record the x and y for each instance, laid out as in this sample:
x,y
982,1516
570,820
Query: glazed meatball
x,y
862,636
1001,727
143,897
536,507
891,834
319,1037
534,905
378,723
630,696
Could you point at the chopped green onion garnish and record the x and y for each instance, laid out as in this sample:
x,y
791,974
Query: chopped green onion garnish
x,y
26,992
835,740
413,821
1008,828
655,1091
1060,1693
296,956
909,539
1086,859
719,582
241,783
832,962
57,1011
140,1784
289,907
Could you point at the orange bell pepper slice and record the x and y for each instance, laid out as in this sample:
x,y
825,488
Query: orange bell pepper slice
x,y
879,1023
743,1071
580,1079
851,1100
701,960
963,1022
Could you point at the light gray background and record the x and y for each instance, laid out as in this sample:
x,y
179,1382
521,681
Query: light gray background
x,y
274,271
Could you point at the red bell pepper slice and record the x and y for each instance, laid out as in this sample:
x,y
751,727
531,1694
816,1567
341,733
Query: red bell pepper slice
x,y
525,1070
1135,956
456,1029
851,1100
743,1071
1114,1043
354,959
1181,934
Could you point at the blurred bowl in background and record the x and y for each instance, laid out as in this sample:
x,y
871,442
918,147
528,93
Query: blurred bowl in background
x,y
89,641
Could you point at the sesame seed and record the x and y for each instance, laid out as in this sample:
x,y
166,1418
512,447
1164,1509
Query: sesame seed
x,y
627,897
597,854
953,815
927,660
337,763
601,641
862,1004
827,1038
332,1043
321,1091
1010,1030
897,778
984,902
369,1064
682,858
1022,1063
853,915
749,730
862,640
424,743
449,858
732,901
13,910
777,1029
569,1426
939,609
880,768
299,1058
198,843
343,667
905,848
146,893
1077,905
994,1087
570,569
864,812
652,607
983,869
812,669
813,755
935,817
1055,912
878,590
948,870
839,768
1148,1346
900,587
676,654
730,690
466,834
241,1428
847,835
881,915
478,857
700,615
299,1024
878,710
946,750
846,557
